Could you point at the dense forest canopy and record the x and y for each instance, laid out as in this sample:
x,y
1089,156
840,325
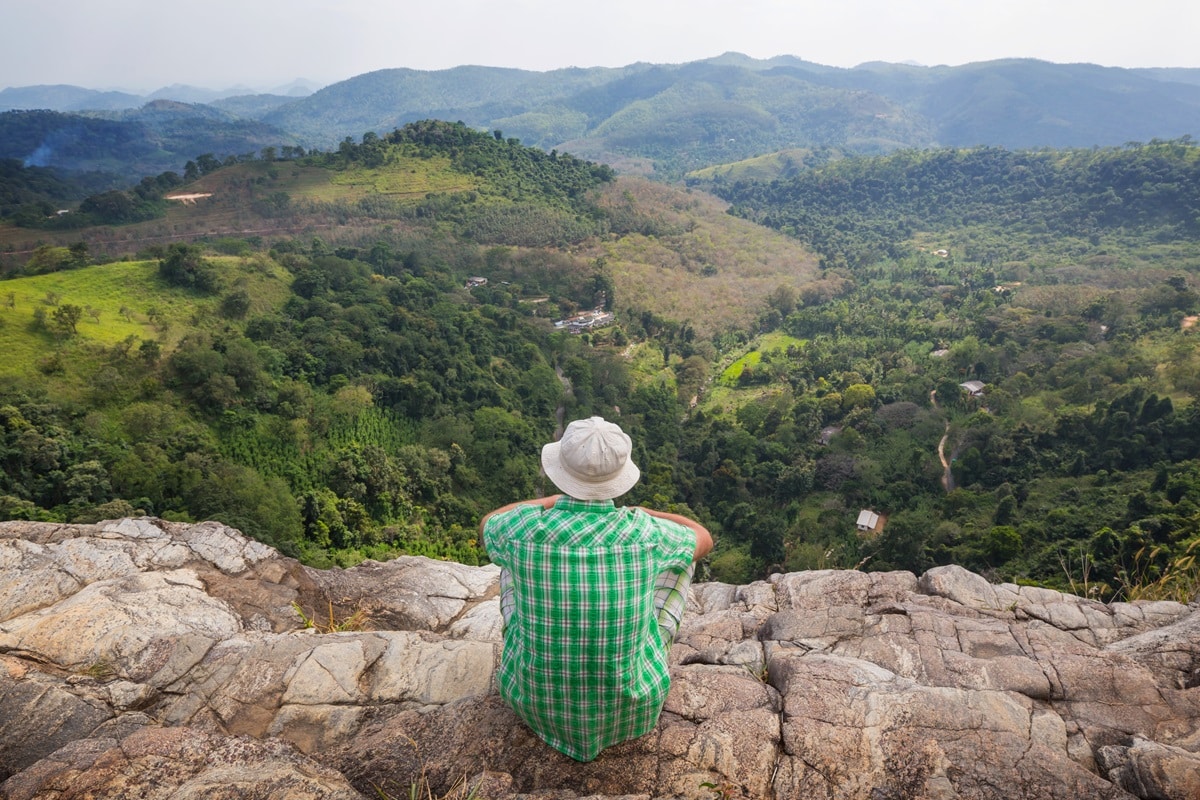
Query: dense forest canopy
x,y
1027,316
857,211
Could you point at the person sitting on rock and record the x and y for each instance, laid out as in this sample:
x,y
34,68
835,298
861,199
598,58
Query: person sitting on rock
x,y
591,595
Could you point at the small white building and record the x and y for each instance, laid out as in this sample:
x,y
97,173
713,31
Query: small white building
x,y
588,320
870,522
973,388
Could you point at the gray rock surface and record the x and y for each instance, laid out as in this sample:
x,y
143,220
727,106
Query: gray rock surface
x,y
143,658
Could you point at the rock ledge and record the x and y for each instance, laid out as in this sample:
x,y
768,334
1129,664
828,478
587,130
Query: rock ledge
x,y
151,659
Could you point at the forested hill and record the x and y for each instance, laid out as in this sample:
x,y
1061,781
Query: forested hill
x,y
686,116
856,211
124,145
1000,360
670,119
347,386
999,356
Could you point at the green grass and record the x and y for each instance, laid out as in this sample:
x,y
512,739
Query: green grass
x,y
412,178
723,396
761,168
774,342
645,362
109,288
735,370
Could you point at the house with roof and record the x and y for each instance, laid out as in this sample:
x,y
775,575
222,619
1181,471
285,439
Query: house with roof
x,y
973,388
870,521
586,321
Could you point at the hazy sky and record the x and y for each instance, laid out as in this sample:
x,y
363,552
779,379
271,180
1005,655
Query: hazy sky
x,y
141,45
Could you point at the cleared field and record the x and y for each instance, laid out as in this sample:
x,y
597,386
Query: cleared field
x,y
121,299
774,342
412,179
707,268
226,202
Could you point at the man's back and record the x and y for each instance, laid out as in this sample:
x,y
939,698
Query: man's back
x,y
584,662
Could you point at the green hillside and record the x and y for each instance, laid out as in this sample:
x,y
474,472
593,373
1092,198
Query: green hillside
x,y
764,169
690,116
324,370
331,387
996,205
119,301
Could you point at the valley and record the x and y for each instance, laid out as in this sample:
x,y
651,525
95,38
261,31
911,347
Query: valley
x,y
295,352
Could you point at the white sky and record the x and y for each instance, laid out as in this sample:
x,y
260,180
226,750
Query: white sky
x,y
141,45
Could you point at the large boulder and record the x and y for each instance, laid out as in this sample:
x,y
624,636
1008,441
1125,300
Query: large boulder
x,y
144,658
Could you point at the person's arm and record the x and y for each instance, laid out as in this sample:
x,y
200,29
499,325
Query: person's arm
x,y
544,502
704,542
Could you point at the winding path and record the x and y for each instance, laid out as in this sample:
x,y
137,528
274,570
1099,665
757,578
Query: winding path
x,y
947,475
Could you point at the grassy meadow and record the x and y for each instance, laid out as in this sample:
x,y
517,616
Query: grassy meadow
x,y
412,179
768,167
121,299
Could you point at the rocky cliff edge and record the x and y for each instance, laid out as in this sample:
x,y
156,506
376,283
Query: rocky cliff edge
x,y
151,659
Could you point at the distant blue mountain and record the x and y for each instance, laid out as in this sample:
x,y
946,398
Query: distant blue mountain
x,y
65,98
680,117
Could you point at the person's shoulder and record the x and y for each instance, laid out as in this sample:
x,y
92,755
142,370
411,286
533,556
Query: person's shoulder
x,y
516,514
500,522
665,529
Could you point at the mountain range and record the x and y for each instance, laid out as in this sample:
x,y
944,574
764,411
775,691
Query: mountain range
x,y
649,118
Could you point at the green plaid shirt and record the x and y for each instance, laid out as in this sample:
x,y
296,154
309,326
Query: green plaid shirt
x,y
585,658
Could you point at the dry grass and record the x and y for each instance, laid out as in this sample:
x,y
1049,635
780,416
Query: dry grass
x,y
712,270
356,621
1179,581
234,189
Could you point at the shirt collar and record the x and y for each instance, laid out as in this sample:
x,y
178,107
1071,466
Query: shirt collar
x,y
566,503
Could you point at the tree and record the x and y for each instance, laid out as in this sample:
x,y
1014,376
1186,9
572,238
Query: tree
x,y
184,266
1002,543
859,395
87,484
66,317
112,207
150,351
48,258
207,163
235,304
80,256
782,299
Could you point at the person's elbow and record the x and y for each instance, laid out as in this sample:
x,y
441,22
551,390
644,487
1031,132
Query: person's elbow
x,y
704,542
